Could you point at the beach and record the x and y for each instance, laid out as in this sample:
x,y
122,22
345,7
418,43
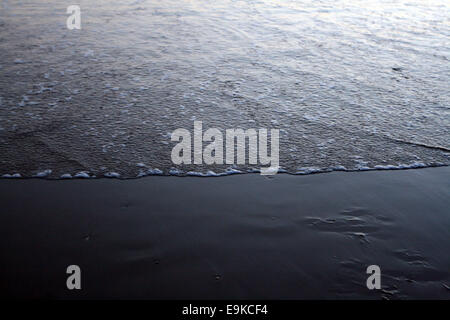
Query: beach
x,y
235,237
238,150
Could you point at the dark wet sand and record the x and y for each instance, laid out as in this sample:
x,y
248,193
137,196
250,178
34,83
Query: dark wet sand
x,y
236,237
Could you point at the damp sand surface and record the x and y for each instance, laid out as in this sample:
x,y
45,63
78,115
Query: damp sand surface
x,y
234,237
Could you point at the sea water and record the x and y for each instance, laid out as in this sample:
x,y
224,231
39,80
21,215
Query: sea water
x,y
351,85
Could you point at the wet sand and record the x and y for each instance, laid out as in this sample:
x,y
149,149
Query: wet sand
x,y
234,237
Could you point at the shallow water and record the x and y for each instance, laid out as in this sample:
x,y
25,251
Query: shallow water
x,y
351,85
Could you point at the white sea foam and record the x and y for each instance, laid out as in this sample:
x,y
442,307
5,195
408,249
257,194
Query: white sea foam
x,y
155,171
112,175
209,173
149,172
82,174
12,176
233,171
308,170
195,174
339,168
175,172
43,174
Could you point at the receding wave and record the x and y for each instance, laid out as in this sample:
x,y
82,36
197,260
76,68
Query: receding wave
x,y
351,87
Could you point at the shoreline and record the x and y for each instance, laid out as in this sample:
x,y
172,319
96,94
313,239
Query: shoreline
x,y
210,174
245,237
